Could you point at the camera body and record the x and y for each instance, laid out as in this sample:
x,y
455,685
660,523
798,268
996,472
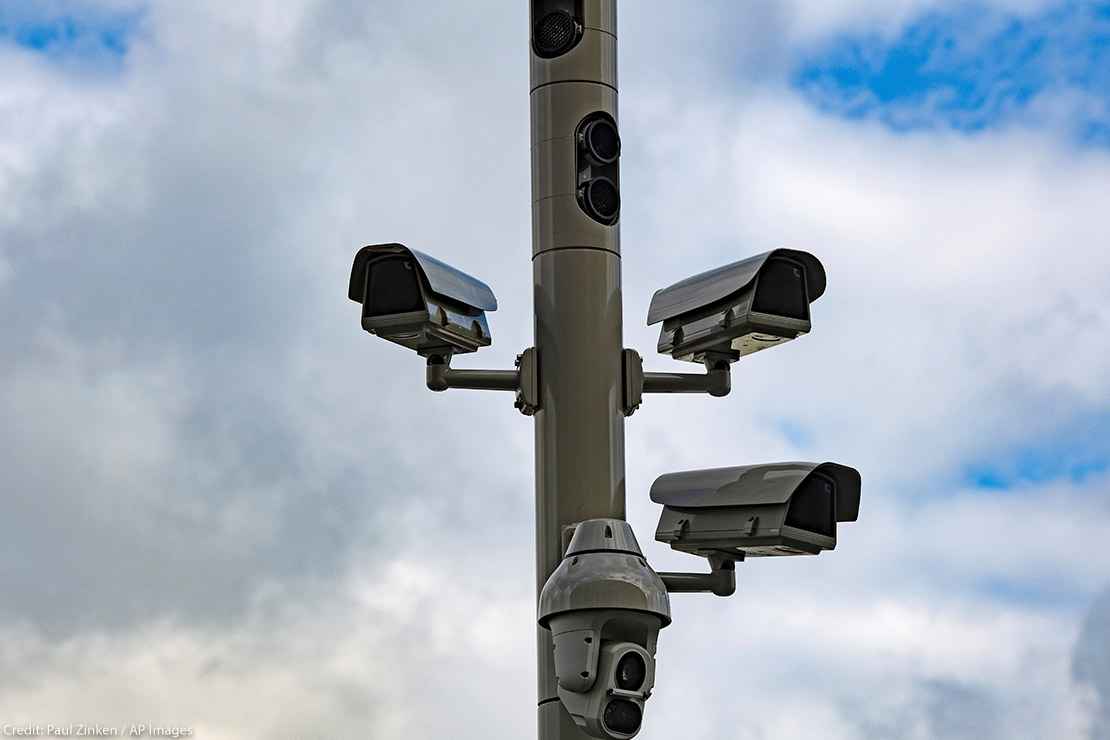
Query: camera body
x,y
740,308
604,606
415,300
777,509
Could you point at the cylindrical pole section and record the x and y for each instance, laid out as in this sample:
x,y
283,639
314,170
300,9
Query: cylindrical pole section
x,y
577,291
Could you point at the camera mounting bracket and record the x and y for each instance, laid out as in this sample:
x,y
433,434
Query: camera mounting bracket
x,y
716,381
721,580
524,381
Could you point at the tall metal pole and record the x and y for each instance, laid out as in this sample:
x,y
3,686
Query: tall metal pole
x,y
579,383
577,301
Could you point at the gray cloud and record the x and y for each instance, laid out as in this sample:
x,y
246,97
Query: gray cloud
x,y
1091,663
937,709
187,254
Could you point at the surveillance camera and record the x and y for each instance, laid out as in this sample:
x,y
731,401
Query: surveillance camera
x,y
756,510
604,606
417,301
740,308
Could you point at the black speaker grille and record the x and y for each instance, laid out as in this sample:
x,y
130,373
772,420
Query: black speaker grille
x,y
555,33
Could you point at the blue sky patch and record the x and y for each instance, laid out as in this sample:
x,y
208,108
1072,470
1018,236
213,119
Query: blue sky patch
x,y
795,433
1073,454
85,36
971,69
1052,593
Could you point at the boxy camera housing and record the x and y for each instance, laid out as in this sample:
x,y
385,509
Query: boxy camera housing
x,y
787,508
415,300
604,606
740,308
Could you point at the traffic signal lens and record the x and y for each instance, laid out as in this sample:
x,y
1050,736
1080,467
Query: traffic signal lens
x,y
602,200
631,672
555,33
602,141
623,716
392,286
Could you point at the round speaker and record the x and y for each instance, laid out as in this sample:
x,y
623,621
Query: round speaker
x,y
555,33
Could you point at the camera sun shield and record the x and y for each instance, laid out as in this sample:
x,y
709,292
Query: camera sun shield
x,y
739,309
413,299
757,510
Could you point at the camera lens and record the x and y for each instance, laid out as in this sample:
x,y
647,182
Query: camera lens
x,y
555,33
631,671
601,199
601,140
392,286
782,290
623,716
813,507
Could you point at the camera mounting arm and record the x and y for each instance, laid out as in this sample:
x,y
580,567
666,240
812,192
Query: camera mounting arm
x,y
721,580
442,376
716,380
523,381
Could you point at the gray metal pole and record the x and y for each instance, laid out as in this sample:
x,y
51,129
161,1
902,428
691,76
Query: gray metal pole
x,y
577,301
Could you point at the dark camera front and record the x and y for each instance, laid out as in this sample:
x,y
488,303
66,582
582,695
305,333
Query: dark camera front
x,y
813,506
392,287
781,290
631,672
624,716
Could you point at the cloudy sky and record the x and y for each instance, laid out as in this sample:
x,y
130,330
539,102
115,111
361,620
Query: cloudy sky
x,y
223,506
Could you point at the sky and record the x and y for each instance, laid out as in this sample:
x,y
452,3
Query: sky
x,y
225,507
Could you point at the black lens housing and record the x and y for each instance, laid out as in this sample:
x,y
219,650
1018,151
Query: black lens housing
x,y
782,289
631,672
601,200
392,287
600,141
813,506
597,163
623,716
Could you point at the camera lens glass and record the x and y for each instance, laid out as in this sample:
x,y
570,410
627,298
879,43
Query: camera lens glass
x,y
555,33
623,716
812,507
782,290
392,286
631,671
602,199
602,141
